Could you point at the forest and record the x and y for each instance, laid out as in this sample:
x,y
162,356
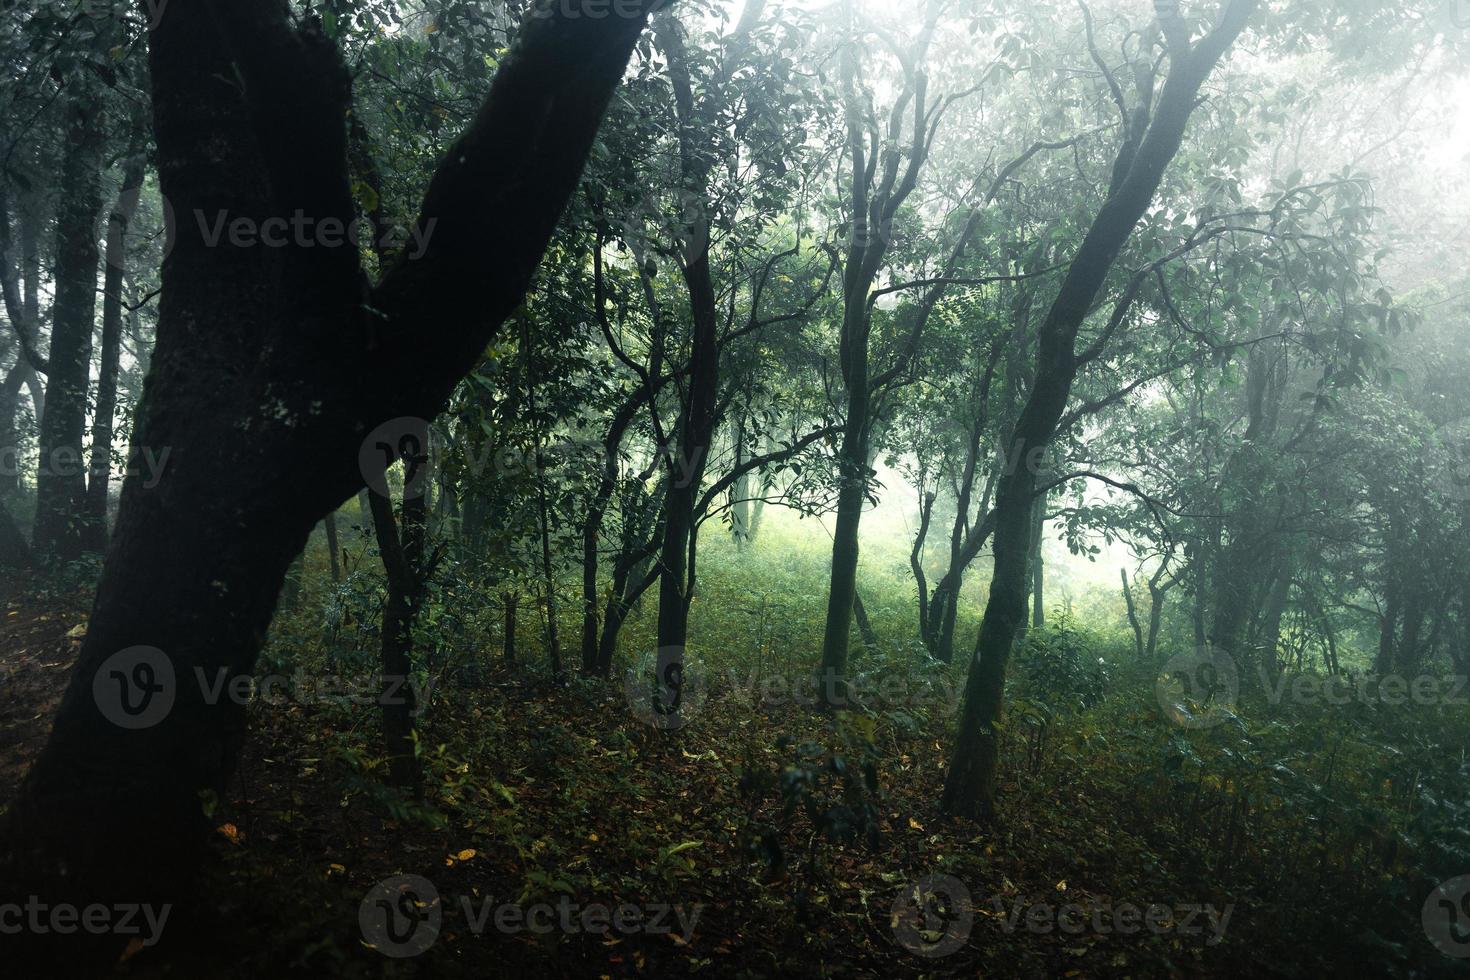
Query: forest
x,y
734,488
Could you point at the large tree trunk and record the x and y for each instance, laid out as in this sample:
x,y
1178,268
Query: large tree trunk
x,y
969,788
270,369
61,476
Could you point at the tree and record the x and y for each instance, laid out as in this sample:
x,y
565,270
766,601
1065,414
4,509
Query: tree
x,y
1154,135
272,366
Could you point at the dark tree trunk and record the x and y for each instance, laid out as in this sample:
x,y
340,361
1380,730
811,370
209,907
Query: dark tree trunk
x,y
508,645
916,563
1156,595
635,570
592,527
700,413
14,552
548,570
1038,566
402,550
878,189
865,628
970,786
61,476
1138,642
10,455
329,524
116,258
270,369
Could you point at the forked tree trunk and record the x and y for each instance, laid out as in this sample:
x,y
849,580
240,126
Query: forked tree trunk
x,y
271,368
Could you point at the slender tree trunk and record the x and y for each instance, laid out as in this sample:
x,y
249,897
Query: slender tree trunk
x,y
970,786
10,441
1156,595
509,599
61,481
402,550
592,528
1038,566
1138,644
329,524
548,570
116,260
700,416
14,552
842,590
916,563
865,628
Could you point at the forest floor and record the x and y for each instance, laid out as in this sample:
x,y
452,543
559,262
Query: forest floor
x,y
751,843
